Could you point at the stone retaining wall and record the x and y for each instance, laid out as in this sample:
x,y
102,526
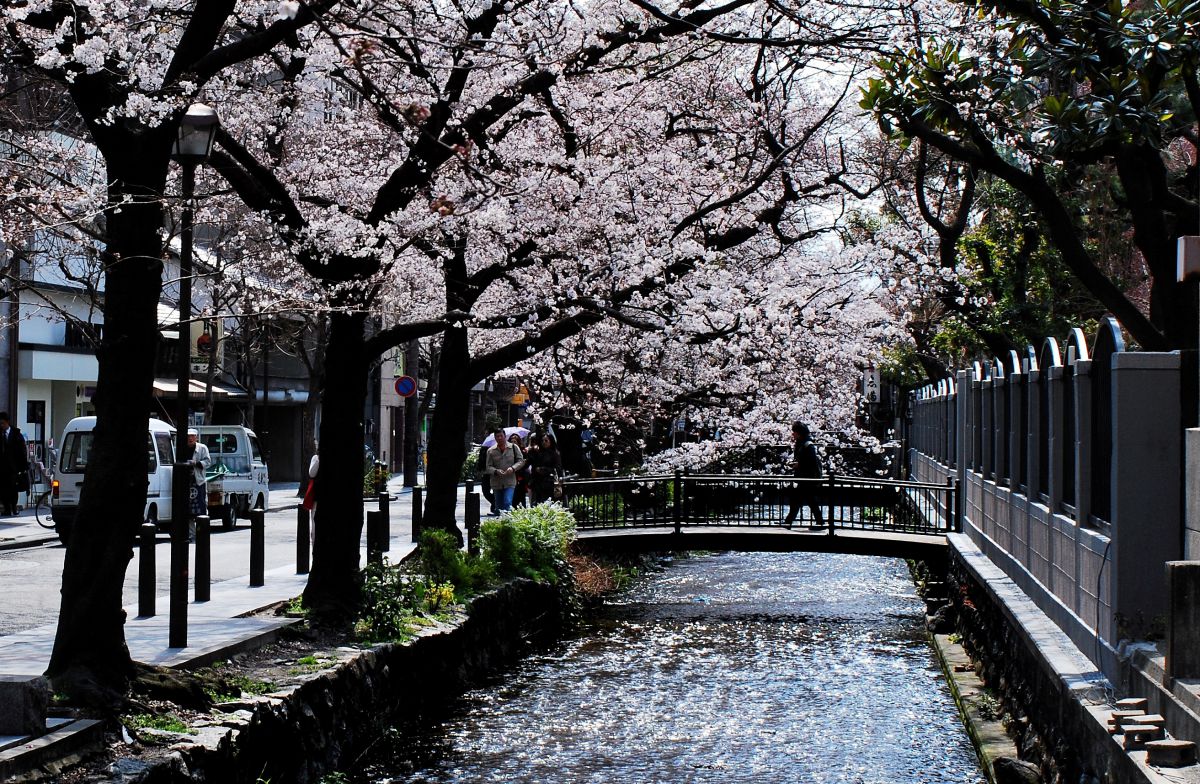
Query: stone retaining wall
x,y
327,722
1056,712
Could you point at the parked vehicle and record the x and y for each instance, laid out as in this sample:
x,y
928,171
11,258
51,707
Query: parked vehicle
x,y
75,452
237,478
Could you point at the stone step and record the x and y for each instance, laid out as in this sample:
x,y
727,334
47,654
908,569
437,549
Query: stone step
x,y
1146,718
1171,753
1117,717
1138,735
1133,703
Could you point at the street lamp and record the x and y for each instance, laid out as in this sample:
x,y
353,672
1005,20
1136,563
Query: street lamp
x,y
192,145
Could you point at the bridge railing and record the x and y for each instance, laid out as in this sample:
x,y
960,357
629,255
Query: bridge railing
x,y
746,500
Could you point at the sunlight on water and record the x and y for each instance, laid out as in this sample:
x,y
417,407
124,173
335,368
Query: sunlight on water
x,y
731,668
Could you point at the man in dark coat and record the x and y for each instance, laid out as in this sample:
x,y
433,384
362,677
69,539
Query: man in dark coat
x,y
806,464
14,465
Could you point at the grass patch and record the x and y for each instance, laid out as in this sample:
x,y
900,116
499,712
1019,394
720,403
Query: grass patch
x,y
163,722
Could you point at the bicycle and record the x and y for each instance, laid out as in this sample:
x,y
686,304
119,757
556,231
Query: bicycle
x,y
41,501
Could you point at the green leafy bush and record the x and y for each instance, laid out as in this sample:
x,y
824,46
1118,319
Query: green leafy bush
x,y
395,599
441,560
530,542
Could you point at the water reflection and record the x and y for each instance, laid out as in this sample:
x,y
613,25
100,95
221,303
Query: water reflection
x,y
730,668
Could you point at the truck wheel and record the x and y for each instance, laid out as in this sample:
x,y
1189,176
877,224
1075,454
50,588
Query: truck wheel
x,y
228,518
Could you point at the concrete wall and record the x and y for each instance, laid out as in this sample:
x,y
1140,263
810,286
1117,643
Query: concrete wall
x,y
1082,506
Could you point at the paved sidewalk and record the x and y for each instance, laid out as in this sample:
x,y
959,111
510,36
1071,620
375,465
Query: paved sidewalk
x,y
217,628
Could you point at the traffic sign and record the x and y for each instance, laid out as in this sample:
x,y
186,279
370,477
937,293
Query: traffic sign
x,y
406,386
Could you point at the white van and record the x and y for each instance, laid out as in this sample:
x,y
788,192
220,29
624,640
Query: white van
x,y
74,452
237,478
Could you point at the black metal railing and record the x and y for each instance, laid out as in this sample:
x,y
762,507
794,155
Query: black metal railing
x,y
746,500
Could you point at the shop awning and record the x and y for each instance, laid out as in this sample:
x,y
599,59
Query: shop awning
x,y
167,387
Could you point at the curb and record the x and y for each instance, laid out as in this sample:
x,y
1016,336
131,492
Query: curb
x,y
975,703
24,542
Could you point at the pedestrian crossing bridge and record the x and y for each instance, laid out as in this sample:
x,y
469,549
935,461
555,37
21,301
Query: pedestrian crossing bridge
x,y
748,512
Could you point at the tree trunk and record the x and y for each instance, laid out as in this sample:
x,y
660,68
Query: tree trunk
x,y
447,433
90,661
333,585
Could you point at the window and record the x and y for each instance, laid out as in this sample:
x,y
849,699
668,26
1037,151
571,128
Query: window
x,y
166,448
76,449
255,454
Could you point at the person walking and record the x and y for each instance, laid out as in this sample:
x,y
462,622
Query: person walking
x,y
504,462
806,464
521,491
14,465
196,455
310,495
547,471
485,483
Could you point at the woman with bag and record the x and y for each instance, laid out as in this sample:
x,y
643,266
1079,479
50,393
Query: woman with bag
x,y
547,471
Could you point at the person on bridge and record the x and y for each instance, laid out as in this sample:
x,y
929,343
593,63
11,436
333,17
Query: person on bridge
x,y
806,464
504,462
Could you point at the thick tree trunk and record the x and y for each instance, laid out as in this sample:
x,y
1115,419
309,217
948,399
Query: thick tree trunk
x,y
90,661
333,585
447,433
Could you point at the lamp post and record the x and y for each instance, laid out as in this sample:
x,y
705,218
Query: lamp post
x,y
194,142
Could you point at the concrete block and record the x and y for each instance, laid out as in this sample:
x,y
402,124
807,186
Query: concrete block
x,y
1183,620
1170,753
1138,735
24,700
1133,703
1119,718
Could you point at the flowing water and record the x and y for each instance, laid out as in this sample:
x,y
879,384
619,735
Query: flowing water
x,y
726,668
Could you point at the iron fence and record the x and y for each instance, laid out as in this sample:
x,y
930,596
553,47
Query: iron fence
x,y
733,500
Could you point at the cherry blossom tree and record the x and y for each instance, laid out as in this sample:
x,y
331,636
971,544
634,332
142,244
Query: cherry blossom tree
x,y
130,70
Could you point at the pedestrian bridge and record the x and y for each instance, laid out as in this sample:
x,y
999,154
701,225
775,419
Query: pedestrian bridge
x,y
747,512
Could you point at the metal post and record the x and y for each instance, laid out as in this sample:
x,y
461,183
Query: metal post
x,y
181,479
303,546
203,557
678,506
417,506
146,573
469,486
385,523
471,520
830,498
258,550
953,507
374,551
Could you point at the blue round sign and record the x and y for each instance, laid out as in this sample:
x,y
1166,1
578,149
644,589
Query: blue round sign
x,y
406,386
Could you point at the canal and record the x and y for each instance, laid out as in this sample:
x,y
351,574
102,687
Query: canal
x,y
723,668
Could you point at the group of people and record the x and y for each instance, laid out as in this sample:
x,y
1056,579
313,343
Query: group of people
x,y
516,473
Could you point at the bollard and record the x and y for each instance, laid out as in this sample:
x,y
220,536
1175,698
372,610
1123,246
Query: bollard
x,y
471,519
469,486
385,523
374,550
417,506
203,558
258,550
303,546
146,576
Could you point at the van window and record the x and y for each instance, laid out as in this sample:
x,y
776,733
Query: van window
x,y
166,450
76,448
151,458
255,454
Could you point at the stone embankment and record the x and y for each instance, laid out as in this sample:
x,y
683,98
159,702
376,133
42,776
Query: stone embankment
x,y
1062,721
324,722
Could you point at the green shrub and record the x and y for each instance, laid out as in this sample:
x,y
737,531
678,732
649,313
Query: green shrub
x,y
394,598
530,542
441,561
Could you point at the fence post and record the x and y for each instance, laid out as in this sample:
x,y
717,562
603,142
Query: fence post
x,y
469,486
203,558
374,549
303,545
417,506
678,510
471,519
385,523
953,507
146,577
832,478
258,550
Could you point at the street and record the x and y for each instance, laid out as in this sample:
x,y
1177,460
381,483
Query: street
x,y
30,578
